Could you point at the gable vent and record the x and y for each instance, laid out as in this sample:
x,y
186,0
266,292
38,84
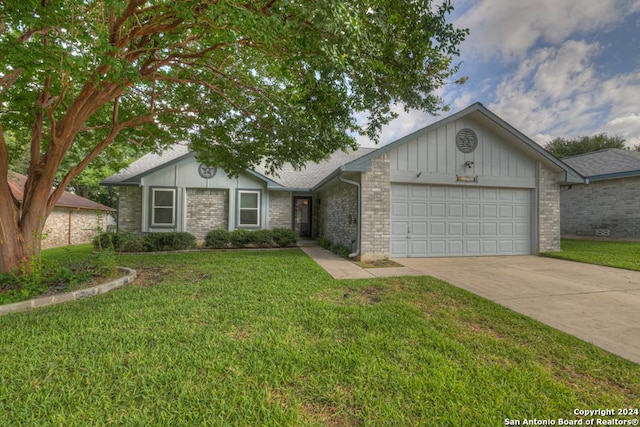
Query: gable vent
x,y
466,140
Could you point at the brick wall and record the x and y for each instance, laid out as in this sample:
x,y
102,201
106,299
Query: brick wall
x,y
376,204
207,209
336,214
130,210
548,209
84,226
612,204
280,208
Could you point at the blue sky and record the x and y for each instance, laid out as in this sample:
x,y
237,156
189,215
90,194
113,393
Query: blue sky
x,y
550,68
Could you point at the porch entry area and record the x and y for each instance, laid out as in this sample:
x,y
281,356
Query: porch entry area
x,y
302,215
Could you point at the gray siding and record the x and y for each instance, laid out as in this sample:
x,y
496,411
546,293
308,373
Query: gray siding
x,y
612,205
437,160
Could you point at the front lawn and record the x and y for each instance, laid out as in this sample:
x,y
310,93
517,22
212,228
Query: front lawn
x,y
268,338
612,254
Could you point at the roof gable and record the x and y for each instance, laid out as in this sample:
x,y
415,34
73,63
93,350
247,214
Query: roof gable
x,y
478,112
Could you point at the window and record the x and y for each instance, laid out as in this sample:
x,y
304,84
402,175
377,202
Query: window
x,y
163,206
248,208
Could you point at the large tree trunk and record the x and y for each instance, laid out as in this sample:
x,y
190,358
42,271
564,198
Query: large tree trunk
x,y
20,238
19,242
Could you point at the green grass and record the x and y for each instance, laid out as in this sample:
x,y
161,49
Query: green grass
x,y
268,338
612,254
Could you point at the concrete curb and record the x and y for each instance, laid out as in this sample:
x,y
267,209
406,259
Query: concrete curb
x,y
17,307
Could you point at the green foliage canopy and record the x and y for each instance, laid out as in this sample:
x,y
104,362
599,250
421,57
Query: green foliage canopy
x,y
242,81
566,147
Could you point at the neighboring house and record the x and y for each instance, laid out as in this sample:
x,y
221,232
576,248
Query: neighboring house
x,y
468,185
610,204
73,221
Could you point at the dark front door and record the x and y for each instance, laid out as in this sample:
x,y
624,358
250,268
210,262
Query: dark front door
x,y
302,216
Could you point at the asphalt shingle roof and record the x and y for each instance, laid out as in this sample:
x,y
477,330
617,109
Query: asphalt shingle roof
x,y
307,177
146,163
602,162
313,173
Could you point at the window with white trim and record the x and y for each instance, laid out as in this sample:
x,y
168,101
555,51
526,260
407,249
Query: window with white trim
x,y
163,207
248,208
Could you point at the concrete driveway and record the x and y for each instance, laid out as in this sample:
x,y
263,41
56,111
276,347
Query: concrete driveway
x,y
600,305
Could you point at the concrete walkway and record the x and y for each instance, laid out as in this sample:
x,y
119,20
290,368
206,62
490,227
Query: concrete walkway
x,y
340,268
600,305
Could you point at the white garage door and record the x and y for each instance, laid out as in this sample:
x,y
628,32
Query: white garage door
x,y
434,220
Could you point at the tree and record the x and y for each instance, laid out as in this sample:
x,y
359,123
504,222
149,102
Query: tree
x,y
563,147
244,81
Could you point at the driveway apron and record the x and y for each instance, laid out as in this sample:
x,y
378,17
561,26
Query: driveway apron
x,y
598,304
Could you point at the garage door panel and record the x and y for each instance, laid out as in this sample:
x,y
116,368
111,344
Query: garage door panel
x,y
437,210
437,248
473,247
399,209
455,229
455,247
400,248
399,228
419,228
459,221
418,246
456,210
437,228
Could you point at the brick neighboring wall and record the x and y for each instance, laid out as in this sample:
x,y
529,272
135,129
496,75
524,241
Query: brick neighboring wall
x,y
280,208
376,203
207,209
612,204
548,209
130,210
336,214
84,226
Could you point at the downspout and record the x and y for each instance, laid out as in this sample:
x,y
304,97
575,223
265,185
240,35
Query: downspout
x,y
357,184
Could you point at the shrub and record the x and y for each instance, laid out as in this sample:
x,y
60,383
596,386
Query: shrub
x,y
340,250
218,238
172,241
324,242
120,242
106,241
240,237
261,238
284,237
130,242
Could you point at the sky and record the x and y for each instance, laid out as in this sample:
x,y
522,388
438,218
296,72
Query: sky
x,y
550,68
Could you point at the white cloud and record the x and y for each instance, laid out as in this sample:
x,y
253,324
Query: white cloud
x,y
509,28
557,92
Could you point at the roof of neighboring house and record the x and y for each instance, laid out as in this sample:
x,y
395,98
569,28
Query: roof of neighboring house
x,y
67,200
606,164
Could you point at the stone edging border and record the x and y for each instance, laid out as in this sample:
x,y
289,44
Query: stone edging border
x,y
17,307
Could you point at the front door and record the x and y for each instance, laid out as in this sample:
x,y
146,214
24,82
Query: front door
x,y
302,216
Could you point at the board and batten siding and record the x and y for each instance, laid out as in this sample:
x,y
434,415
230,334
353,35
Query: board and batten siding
x,y
436,158
184,175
